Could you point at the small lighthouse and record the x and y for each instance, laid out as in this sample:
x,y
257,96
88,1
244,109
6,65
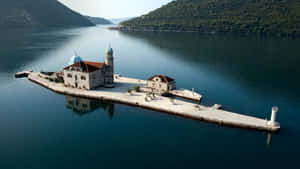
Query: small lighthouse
x,y
273,122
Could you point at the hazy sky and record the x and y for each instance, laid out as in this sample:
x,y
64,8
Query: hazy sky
x,y
114,8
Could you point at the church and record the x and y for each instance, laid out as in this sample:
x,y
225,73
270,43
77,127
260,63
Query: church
x,y
90,75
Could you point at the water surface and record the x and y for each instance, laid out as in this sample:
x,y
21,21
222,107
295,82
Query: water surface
x,y
42,129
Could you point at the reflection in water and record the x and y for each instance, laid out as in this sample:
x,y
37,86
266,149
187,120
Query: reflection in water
x,y
28,137
82,106
22,46
269,64
269,138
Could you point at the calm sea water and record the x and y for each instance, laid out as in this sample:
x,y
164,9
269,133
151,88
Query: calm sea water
x,y
40,130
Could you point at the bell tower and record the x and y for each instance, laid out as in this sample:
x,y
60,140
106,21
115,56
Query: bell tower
x,y
109,66
109,60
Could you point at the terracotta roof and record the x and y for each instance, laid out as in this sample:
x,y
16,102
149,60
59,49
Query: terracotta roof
x,y
163,78
87,66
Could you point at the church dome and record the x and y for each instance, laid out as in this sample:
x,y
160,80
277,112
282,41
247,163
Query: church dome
x,y
75,59
109,50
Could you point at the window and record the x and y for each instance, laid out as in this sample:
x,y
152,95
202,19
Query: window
x,y
83,78
69,75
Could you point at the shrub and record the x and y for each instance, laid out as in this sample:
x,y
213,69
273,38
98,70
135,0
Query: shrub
x,y
137,88
128,90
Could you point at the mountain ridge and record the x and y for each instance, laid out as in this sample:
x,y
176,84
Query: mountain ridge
x,y
99,20
274,17
48,13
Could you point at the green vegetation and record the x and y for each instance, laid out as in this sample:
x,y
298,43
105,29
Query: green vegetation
x,y
137,88
267,17
46,13
58,80
129,90
98,20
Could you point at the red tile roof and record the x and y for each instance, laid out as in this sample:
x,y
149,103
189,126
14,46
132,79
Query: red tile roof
x,y
163,78
87,66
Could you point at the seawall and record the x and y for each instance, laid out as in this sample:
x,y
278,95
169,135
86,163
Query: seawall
x,y
160,103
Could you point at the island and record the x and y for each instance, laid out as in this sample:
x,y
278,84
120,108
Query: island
x,y
97,80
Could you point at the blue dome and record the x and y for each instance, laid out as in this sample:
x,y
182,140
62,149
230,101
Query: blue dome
x,y
109,50
75,59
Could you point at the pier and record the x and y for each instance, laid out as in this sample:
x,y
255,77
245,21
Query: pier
x,y
119,94
186,94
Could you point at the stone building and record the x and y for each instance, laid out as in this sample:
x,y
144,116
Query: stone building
x,y
89,75
161,83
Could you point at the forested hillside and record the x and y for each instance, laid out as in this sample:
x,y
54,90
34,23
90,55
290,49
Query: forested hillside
x,y
20,13
276,17
98,20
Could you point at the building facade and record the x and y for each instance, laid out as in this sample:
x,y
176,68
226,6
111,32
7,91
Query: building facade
x,y
161,83
89,75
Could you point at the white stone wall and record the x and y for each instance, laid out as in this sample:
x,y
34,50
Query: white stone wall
x,y
157,84
172,85
76,78
109,75
96,79
109,69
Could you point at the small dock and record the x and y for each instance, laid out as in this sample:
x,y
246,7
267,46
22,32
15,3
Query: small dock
x,y
119,94
186,94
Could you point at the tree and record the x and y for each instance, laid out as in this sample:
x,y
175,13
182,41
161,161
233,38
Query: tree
x,y
137,88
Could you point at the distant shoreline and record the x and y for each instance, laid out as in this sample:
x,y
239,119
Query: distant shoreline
x,y
134,29
144,29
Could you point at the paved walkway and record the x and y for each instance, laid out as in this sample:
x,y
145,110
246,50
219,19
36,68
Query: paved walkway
x,y
159,103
